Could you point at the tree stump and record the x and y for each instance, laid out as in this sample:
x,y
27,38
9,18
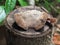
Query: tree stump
x,y
18,36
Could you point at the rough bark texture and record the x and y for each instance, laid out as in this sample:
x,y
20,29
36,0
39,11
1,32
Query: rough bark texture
x,y
13,39
2,35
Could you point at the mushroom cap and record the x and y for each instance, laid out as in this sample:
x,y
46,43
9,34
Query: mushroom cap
x,y
31,19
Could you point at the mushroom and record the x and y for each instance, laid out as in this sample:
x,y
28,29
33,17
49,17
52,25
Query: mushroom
x,y
33,19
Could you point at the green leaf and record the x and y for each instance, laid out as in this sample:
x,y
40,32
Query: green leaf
x,y
58,0
9,5
0,0
23,2
47,5
2,15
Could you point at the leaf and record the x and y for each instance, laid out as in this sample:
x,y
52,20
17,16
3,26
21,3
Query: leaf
x,y
47,5
23,2
9,5
0,0
2,15
58,1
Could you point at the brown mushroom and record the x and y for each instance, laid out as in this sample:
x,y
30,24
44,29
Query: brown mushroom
x,y
31,18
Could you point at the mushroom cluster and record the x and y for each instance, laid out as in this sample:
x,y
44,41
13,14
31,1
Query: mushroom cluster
x,y
33,19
